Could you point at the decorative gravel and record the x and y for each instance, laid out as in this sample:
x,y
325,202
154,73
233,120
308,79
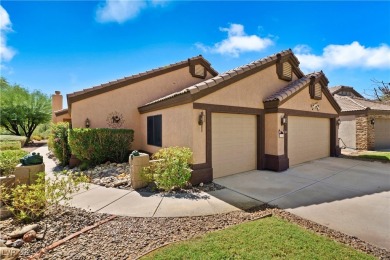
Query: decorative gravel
x,y
130,237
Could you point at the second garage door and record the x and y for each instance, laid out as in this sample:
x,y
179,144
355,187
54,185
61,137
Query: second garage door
x,y
234,147
382,134
308,139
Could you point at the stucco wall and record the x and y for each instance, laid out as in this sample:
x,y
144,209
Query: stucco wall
x,y
177,126
248,92
274,145
61,118
302,101
127,99
199,136
347,131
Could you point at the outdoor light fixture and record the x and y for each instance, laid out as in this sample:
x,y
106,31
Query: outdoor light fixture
x,y
372,121
283,120
200,119
87,123
339,121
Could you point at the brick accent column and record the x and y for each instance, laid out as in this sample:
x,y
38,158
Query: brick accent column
x,y
361,132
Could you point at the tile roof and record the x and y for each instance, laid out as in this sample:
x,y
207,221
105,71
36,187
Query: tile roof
x,y
293,87
143,75
359,104
230,74
61,112
336,89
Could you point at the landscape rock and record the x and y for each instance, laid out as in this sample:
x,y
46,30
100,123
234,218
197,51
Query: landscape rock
x,y
20,232
5,212
2,243
9,243
18,243
29,236
7,253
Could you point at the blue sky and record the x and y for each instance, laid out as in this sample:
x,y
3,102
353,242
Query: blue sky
x,y
71,45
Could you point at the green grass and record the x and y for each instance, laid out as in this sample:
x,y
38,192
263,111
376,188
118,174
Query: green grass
x,y
270,238
376,155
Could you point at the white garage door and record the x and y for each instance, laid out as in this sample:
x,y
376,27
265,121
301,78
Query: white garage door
x,y
308,139
382,134
233,143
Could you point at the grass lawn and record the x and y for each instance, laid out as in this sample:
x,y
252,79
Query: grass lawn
x,y
269,238
376,155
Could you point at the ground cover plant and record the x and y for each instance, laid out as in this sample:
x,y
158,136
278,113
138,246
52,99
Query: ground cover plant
x,y
9,138
385,156
171,168
269,238
10,158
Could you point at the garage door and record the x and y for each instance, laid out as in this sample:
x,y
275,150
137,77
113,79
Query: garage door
x,y
308,139
233,143
382,134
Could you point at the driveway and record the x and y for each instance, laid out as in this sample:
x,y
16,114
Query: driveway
x,y
350,196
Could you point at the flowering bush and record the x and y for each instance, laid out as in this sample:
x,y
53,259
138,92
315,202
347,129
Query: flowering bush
x,y
58,142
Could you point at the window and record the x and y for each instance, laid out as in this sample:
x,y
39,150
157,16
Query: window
x,y
154,125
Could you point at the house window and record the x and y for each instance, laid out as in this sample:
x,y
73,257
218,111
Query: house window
x,y
154,125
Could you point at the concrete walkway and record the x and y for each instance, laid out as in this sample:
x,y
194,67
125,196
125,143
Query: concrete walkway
x,y
347,195
143,204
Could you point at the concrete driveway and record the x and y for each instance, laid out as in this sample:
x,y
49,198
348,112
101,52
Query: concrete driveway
x,y
347,195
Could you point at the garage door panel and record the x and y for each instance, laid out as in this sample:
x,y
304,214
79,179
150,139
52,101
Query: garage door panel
x,y
308,139
234,147
382,134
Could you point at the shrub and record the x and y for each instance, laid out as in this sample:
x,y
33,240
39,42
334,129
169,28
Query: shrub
x,y
171,168
7,138
9,159
37,137
10,145
43,131
58,142
99,145
28,203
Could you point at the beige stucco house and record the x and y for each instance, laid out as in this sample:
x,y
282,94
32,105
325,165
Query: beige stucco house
x,y
364,123
264,115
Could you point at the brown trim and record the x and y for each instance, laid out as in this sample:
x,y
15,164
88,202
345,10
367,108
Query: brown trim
x,y
199,175
358,112
205,66
378,112
312,88
228,109
172,102
279,67
333,140
348,89
276,163
77,96
61,112
293,112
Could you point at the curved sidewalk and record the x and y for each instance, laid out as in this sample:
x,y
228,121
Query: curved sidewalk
x,y
143,204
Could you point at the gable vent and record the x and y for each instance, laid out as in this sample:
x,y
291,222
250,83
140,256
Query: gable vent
x,y
200,70
317,90
287,72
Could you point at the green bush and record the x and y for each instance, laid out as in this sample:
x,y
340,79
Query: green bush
x,y
99,145
29,202
171,168
58,142
9,159
37,137
7,138
10,145
42,131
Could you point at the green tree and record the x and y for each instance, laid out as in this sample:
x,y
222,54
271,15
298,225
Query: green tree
x,y
21,110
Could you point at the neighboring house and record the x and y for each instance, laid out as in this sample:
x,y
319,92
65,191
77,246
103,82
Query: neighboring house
x,y
263,115
365,124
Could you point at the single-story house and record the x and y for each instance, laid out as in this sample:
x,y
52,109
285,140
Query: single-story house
x,y
364,123
263,115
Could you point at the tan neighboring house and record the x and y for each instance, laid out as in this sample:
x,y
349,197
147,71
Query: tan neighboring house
x,y
264,115
364,123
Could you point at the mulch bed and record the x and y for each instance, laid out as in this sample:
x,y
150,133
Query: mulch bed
x,y
131,237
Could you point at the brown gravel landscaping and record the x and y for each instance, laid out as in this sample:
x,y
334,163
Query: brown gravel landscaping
x,y
130,237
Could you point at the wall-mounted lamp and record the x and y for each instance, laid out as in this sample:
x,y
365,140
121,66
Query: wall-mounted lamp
x,y
200,119
372,121
87,123
339,121
283,120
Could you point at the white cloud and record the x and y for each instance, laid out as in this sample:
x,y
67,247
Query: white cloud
x,y
237,42
352,55
122,10
6,52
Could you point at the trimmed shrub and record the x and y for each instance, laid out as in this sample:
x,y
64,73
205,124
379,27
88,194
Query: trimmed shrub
x,y
7,138
37,138
9,159
29,202
99,145
10,145
58,142
171,169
